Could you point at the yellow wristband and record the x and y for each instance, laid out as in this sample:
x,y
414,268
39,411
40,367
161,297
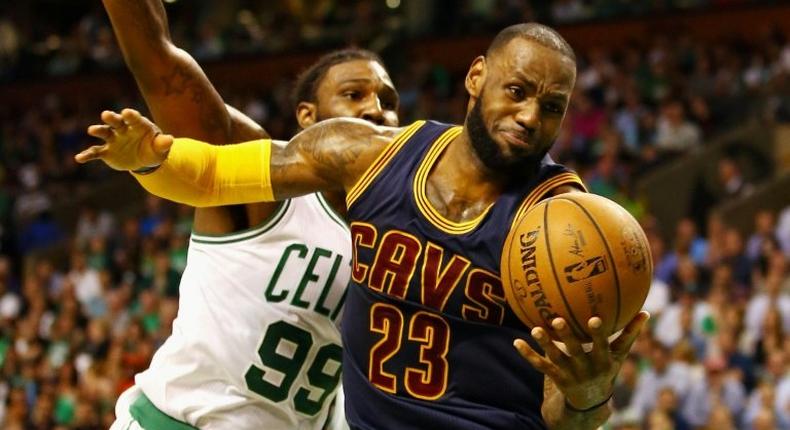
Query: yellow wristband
x,y
199,174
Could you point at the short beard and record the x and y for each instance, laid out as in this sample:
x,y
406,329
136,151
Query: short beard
x,y
519,166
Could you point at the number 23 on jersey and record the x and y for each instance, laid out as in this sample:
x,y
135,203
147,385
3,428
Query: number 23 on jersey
x,y
426,380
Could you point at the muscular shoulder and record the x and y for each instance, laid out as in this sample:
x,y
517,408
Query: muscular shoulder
x,y
341,149
345,131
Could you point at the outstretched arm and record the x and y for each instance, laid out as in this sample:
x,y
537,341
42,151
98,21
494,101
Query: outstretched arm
x,y
329,156
180,97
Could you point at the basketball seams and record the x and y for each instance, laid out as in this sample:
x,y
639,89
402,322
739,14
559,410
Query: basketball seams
x,y
611,258
575,326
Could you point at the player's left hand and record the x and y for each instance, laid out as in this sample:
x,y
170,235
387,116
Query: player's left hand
x,y
130,141
585,379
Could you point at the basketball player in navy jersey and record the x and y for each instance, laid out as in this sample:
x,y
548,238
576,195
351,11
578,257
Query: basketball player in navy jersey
x,y
428,337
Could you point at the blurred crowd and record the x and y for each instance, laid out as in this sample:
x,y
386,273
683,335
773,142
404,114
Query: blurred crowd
x,y
73,332
717,355
73,36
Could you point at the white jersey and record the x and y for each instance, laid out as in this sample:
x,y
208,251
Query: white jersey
x,y
255,344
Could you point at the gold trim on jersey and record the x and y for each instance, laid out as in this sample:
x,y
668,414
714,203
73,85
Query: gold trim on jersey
x,y
381,161
421,198
567,178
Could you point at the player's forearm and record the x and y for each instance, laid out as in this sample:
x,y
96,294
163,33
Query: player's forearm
x,y
559,417
180,97
198,174
141,29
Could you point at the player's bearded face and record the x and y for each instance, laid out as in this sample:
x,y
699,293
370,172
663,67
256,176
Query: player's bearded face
x,y
491,153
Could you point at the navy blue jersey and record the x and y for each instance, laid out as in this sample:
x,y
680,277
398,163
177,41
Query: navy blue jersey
x,y
427,333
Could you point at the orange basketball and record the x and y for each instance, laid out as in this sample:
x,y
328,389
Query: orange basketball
x,y
576,256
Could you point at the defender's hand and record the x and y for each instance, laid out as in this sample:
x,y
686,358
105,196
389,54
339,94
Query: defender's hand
x,y
585,379
131,142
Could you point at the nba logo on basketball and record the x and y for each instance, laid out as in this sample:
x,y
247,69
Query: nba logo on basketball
x,y
585,269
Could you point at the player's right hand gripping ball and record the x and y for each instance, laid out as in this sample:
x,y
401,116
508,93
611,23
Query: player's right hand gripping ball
x,y
576,256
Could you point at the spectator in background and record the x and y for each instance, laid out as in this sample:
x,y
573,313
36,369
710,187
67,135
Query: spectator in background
x,y
719,386
759,413
742,366
626,420
687,236
93,223
10,302
765,420
764,226
164,280
658,297
154,215
662,373
666,414
626,122
86,282
626,382
783,230
769,305
733,256
771,340
732,182
51,280
674,133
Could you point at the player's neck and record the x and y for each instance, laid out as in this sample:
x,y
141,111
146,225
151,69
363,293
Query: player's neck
x,y
459,184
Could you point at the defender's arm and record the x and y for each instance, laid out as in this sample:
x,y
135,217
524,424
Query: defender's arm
x,y
181,98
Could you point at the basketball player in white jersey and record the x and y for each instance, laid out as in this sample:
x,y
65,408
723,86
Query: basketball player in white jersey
x,y
255,344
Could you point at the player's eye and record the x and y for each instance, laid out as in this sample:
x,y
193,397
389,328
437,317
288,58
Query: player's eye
x,y
552,107
516,92
352,95
388,105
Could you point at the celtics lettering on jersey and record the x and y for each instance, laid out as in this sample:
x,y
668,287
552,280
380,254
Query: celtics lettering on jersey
x,y
286,348
277,292
399,256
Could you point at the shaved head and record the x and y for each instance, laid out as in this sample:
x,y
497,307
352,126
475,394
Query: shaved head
x,y
538,33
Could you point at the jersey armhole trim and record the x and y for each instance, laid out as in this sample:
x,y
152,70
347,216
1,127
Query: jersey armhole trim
x,y
332,213
567,178
381,162
249,233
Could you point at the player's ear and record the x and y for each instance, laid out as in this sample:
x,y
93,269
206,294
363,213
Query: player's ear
x,y
476,76
306,114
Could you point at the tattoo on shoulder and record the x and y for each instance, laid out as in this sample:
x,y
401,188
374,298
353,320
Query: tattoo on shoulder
x,y
342,144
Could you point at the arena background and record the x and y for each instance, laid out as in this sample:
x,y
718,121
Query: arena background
x,y
681,113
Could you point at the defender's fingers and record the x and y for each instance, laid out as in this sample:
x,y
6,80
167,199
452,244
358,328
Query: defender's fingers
x,y
566,336
622,344
131,116
103,132
93,153
113,119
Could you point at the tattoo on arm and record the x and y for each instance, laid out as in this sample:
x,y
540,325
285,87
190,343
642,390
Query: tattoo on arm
x,y
181,81
329,156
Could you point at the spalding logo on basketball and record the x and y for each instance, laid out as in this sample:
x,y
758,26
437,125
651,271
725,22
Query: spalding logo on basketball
x,y
576,256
